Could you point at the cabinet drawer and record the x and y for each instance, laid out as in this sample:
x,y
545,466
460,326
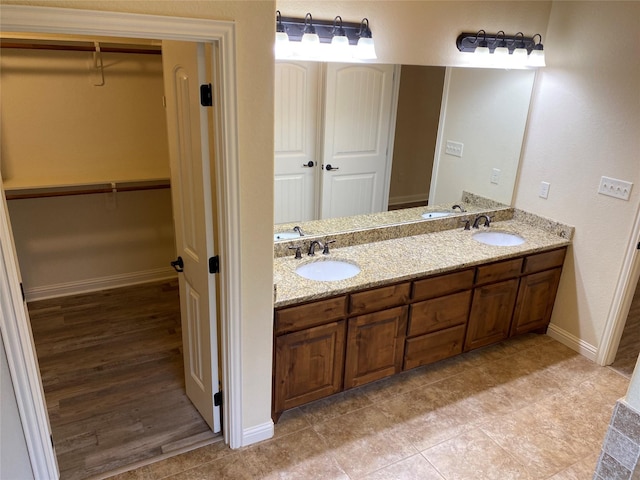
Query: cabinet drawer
x,y
442,285
379,299
499,271
439,313
433,347
309,315
544,261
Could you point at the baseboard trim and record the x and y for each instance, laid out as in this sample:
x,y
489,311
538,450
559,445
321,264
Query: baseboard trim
x,y
408,199
574,343
100,283
257,434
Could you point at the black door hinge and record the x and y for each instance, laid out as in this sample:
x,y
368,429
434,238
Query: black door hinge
x,y
217,399
206,95
214,264
22,291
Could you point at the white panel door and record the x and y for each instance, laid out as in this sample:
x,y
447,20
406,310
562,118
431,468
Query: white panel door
x,y
184,72
357,116
296,164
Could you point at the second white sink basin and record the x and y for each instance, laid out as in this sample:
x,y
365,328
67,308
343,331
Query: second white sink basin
x,y
285,235
436,214
328,270
500,239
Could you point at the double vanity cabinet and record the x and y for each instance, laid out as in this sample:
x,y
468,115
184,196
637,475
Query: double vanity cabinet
x,y
329,345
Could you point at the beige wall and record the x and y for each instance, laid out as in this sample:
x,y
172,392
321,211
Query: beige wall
x,y
75,239
585,123
59,128
485,110
419,102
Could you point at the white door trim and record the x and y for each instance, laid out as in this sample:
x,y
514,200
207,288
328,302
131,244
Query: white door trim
x,y
21,357
622,298
222,34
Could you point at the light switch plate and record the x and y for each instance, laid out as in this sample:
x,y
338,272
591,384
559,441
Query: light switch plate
x,y
544,190
615,188
454,148
495,176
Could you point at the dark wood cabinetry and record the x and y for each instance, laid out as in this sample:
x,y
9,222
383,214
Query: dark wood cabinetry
x,y
309,365
491,312
330,345
375,345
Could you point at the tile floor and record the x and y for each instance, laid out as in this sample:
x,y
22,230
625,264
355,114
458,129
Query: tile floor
x,y
528,408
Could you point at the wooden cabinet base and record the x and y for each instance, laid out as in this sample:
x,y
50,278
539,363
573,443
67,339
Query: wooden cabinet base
x,y
308,365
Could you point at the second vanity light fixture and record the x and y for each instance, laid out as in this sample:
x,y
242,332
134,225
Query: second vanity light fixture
x,y
323,39
501,50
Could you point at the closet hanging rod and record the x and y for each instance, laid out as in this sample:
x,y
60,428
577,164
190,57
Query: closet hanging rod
x,y
80,48
68,190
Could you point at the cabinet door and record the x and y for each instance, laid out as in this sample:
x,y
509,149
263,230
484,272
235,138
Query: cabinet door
x,y
491,311
308,365
375,346
536,296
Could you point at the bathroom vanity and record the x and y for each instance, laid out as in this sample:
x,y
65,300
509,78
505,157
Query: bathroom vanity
x,y
417,300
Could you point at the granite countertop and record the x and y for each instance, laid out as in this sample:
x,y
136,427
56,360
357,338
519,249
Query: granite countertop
x,y
407,258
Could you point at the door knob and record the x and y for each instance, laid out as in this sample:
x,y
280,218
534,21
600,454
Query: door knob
x,y
329,167
178,265
310,164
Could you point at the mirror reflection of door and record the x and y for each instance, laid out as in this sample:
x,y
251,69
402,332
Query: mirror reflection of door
x,y
339,166
296,156
358,109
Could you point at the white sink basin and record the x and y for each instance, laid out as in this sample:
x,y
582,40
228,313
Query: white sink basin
x,y
328,270
436,214
285,235
500,239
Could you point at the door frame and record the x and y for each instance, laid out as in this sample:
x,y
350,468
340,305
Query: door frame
x,y
623,296
222,35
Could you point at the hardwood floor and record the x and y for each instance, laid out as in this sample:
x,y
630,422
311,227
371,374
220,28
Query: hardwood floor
x,y
112,371
629,347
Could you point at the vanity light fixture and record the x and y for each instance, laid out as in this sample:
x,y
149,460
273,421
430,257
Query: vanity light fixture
x,y
501,50
310,40
365,49
323,39
283,47
536,57
340,41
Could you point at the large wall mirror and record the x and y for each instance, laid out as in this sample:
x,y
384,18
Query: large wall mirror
x,y
367,138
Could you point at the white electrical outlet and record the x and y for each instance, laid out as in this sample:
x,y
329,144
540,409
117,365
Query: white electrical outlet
x,y
615,188
544,190
495,176
454,148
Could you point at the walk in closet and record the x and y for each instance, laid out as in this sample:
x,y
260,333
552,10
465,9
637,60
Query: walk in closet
x,y
85,171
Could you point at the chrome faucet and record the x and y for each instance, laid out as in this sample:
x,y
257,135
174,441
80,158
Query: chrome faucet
x,y
313,245
299,230
476,222
462,210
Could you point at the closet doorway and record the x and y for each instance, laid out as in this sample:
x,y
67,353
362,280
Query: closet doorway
x,y
75,234
629,347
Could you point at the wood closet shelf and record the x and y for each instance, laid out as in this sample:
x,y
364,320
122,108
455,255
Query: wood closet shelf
x,y
15,192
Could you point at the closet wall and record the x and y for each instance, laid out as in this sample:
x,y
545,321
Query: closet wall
x,y
60,126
